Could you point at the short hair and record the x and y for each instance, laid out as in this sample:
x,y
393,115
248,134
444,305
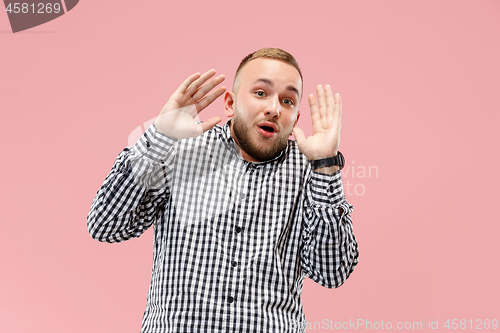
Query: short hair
x,y
269,53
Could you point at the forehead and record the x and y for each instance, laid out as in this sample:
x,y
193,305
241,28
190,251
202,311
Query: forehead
x,y
276,71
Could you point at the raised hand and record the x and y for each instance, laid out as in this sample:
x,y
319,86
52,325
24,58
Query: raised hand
x,y
326,116
177,118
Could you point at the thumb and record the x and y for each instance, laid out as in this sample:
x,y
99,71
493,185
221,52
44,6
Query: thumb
x,y
209,123
299,134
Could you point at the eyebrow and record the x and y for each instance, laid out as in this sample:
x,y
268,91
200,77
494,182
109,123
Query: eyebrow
x,y
270,83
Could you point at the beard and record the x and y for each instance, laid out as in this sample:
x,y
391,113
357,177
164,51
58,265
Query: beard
x,y
254,149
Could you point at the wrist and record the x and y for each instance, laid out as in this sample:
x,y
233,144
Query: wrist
x,y
330,164
328,170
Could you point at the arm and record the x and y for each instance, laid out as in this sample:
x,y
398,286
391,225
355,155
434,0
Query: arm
x,y
135,192
329,250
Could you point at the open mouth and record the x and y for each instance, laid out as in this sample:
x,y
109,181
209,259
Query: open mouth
x,y
268,129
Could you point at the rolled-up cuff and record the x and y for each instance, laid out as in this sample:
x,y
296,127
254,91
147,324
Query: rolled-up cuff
x,y
327,189
152,145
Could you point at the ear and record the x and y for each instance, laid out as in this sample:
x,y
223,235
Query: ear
x,y
229,103
296,120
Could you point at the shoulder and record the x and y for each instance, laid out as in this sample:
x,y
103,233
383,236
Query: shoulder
x,y
295,156
293,150
204,142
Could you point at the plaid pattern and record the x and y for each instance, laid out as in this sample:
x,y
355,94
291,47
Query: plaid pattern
x,y
233,240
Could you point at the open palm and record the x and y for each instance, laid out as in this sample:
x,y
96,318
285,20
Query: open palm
x,y
326,117
177,117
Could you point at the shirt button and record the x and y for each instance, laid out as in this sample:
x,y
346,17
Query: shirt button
x,y
238,229
234,263
230,299
242,196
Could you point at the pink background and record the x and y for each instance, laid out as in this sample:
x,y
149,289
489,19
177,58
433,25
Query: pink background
x,y
419,82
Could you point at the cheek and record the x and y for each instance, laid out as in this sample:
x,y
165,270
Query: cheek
x,y
289,121
254,105
250,108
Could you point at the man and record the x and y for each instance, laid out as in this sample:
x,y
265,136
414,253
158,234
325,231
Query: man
x,y
241,213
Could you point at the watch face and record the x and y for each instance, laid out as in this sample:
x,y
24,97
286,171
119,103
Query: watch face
x,y
341,160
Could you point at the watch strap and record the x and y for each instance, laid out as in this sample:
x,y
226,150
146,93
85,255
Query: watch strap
x,y
329,161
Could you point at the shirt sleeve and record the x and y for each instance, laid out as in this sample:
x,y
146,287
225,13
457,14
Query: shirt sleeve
x,y
330,251
135,192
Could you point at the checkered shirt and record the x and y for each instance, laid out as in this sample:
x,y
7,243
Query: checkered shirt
x,y
233,240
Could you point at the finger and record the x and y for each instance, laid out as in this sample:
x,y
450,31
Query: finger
x,y
330,103
183,87
321,100
314,109
207,100
299,134
207,87
338,107
210,123
337,117
193,88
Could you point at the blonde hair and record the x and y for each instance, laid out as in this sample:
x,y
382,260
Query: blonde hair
x,y
269,53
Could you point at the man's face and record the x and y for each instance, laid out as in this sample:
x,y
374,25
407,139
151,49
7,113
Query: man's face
x,y
264,107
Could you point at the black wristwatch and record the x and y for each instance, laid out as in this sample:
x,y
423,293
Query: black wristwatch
x,y
329,161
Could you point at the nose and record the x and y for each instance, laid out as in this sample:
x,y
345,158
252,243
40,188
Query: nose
x,y
273,108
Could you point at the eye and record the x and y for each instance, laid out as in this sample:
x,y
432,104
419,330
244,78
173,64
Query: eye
x,y
287,101
260,93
